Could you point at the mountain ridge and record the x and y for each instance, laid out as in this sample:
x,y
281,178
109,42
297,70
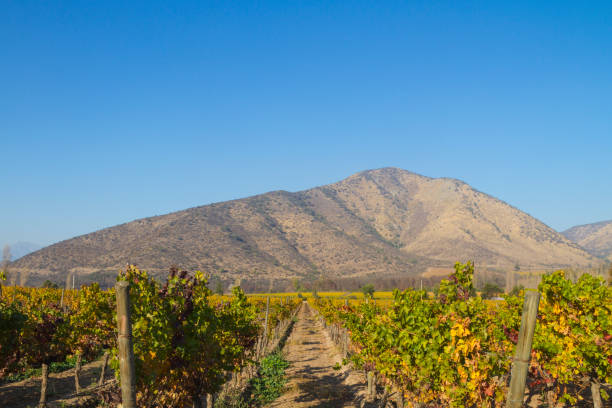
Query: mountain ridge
x,y
380,221
596,238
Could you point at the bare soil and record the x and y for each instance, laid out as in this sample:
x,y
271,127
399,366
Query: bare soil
x,y
60,388
313,381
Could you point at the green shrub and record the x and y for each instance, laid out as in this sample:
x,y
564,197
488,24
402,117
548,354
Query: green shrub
x,y
269,384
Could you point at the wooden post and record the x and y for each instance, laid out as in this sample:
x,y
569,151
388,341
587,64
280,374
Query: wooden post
x,y
595,392
126,350
346,302
518,376
42,403
400,399
104,364
77,371
370,385
62,299
346,344
266,322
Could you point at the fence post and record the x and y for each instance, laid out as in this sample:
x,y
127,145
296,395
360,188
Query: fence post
x,y
126,350
62,299
518,375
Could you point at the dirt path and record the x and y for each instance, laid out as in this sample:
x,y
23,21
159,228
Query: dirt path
x,y
313,382
60,388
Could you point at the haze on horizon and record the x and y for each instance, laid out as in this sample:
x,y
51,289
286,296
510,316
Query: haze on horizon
x,y
113,112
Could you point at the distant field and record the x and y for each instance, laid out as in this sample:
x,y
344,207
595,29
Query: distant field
x,y
343,295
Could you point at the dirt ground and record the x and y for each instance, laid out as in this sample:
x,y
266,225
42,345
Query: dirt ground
x,y
313,382
60,388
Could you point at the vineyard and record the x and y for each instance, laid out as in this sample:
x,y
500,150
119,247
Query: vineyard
x,y
454,349
413,348
187,342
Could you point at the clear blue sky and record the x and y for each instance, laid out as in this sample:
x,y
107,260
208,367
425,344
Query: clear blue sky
x,y
112,111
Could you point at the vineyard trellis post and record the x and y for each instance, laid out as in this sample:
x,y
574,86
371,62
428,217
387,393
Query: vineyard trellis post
x,y
77,371
266,322
126,349
595,392
103,371
43,386
520,365
371,386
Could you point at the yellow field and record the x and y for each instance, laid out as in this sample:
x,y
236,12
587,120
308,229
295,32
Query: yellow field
x,y
341,295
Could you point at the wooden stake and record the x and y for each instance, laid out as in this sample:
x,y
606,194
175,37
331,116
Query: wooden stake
x,y
104,364
77,371
595,392
371,385
42,403
62,299
400,399
266,322
518,376
126,350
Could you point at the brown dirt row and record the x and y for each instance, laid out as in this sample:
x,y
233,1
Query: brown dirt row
x,y
313,381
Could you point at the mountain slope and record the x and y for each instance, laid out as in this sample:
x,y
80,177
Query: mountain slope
x,y
385,221
595,238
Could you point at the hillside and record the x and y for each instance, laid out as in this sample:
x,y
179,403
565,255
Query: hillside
x,y
386,221
595,238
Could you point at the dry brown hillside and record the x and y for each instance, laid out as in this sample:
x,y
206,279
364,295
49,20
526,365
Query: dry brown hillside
x,y
385,221
595,238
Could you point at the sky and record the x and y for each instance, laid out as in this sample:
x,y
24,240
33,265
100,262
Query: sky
x,y
113,111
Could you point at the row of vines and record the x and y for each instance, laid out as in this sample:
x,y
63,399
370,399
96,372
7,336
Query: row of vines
x,y
186,339
455,349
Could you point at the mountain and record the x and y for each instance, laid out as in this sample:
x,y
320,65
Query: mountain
x,y
595,238
378,222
